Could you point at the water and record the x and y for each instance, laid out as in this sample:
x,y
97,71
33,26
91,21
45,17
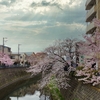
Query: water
x,y
28,92
35,96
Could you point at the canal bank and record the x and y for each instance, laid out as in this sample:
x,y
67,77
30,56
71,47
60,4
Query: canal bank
x,y
13,78
9,88
80,91
77,91
10,75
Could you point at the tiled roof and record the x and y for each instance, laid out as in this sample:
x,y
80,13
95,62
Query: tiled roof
x,y
4,46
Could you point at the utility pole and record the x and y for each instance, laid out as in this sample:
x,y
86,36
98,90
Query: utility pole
x,y
18,51
4,40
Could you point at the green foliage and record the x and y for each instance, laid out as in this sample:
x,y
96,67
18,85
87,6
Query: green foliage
x,y
54,90
75,99
79,68
72,73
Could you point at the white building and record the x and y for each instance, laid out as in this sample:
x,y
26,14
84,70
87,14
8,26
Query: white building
x,y
5,49
93,11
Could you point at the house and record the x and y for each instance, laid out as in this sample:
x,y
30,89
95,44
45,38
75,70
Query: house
x,y
5,49
20,59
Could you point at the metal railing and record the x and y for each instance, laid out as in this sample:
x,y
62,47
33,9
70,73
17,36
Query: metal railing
x,y
87,2
91,12
90,27
14,66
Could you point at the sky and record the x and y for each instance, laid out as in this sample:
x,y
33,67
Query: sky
x,y
36,24
35,96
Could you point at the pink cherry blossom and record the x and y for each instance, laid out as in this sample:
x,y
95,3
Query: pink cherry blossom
x,y
5,59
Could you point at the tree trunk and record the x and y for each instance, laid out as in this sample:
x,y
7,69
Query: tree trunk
x,y
97,63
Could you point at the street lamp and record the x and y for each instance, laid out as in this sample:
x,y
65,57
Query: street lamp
x,y
18,51
4,40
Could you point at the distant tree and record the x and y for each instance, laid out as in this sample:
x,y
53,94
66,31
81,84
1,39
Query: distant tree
x,y
32,59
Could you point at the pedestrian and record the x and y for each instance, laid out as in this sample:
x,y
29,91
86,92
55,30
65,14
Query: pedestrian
x,y
73,64
66,66
94,65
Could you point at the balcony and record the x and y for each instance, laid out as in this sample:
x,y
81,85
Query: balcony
x,y
90,28
91,14
89,4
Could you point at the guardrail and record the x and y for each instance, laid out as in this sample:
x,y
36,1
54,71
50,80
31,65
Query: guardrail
x,y
14,66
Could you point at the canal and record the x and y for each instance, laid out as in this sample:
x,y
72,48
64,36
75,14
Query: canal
x,y
28,91
25,89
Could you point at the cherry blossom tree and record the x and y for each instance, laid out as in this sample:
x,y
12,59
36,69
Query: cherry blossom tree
x,y
49,67
69,46
5,60
90,73
52,65
32,59
91,46
62,51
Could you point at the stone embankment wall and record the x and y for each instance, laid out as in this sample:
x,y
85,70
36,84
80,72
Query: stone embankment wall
x,y
9,75
79,91
14,79
17,76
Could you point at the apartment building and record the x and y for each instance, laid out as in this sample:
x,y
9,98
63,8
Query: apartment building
x,y
93,11
5,49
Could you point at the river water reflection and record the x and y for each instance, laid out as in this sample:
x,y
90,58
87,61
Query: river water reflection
x,y
35,96
27,92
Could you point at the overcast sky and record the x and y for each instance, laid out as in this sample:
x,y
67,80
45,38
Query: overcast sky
x,y
36,24
35,96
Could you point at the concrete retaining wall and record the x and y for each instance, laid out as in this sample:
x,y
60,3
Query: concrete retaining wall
x,y
79,91
7,75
